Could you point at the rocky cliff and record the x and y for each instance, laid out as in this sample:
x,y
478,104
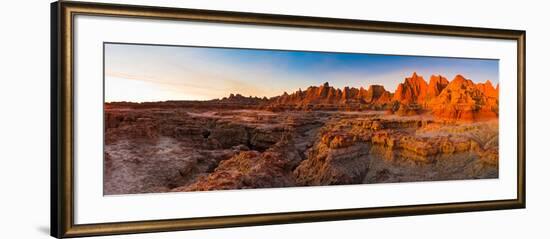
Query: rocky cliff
x,y
436,85
460,99
413,90
326,97
234,143
464,100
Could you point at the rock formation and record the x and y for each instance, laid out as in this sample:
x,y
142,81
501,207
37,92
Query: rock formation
x,y
460,99
378,95
336,159
488,89
241,100
436,85
252,169
305,138
326,97
464,100
413,90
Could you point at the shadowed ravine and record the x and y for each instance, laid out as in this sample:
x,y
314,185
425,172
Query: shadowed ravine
x,y
156,150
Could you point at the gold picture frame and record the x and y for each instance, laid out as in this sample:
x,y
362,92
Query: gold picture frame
x,y
62,121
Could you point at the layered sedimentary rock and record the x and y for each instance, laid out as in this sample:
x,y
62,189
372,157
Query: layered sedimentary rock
x,y
351,151
334,160
160,150
464,100
326,97
240,100
436,85
318,136
377,95
488,89
252,169
413,90
460,99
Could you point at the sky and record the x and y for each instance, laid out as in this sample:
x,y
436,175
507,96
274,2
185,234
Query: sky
x,y
142,73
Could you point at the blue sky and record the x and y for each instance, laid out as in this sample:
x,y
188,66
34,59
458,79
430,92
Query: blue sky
x,y
152,73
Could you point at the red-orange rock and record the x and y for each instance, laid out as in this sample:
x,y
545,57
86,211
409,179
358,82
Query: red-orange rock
x,y
376,93
488,89
326,97
252,169
463,100
436,85
413,90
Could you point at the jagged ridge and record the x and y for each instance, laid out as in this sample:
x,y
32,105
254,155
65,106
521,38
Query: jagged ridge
x,y
460,99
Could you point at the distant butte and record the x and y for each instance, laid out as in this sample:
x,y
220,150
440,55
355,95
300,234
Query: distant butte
x,y
328,97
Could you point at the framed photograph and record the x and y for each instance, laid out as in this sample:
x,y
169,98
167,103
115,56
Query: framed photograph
x,y
172,119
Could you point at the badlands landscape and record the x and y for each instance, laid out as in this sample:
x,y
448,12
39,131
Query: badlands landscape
x,y
425,130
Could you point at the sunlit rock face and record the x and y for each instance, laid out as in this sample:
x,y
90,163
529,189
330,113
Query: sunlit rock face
x,y
413,90
436,85
424,131
460,99
326,97
464,100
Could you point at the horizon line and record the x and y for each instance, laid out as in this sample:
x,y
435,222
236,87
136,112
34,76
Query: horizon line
x,y
300,89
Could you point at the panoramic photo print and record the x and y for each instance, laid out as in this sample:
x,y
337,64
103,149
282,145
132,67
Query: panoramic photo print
x,y
186,118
